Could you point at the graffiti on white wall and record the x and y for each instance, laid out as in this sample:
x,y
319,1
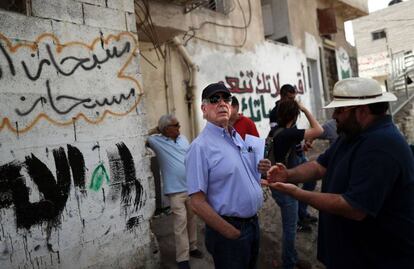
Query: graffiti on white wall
x,y
73,81
54,189
264,85
74,178
255,78
373,65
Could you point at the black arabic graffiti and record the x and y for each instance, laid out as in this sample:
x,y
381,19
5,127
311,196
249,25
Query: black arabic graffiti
x,y
77,101
55,189
9,62
55,192
71,63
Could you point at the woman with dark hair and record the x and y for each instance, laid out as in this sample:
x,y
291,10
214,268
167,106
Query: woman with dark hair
x,y
283,140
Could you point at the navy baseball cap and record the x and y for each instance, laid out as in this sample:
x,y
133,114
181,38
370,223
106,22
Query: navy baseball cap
x,y
214,88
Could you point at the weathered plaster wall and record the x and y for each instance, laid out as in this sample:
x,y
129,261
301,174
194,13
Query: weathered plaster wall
x,y
165,81
241,27
280,19
75,186
304,19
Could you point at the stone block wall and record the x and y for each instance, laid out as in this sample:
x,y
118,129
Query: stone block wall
x,y
75,186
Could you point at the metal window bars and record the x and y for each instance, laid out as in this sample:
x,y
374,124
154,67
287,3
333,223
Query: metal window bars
x,y
401,78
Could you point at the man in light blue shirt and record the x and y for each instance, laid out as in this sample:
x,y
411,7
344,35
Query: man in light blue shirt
x,y
171,148
222,184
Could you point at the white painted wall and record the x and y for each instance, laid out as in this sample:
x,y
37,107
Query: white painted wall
x,y
374,55
267,67
73,118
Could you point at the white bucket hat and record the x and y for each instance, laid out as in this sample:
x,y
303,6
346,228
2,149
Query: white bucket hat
x,y
357,92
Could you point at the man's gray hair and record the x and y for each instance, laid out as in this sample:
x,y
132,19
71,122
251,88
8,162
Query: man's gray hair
x,y
164,121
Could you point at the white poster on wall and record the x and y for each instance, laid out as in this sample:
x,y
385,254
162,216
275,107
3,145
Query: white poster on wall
x,y
343,64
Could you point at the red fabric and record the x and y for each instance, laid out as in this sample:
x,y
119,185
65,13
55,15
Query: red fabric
x,y
244,126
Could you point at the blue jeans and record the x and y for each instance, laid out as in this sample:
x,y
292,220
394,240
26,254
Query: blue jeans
x,y
303,207
241,253
289,211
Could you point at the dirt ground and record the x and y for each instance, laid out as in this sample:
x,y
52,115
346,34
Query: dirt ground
x,y
271,231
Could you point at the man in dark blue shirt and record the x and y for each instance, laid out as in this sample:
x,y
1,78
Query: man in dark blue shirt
x,y
367,200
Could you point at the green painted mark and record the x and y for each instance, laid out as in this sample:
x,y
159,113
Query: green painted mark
x,y
97,177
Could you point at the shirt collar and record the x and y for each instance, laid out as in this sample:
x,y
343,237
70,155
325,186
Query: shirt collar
x,y
168,138
219,130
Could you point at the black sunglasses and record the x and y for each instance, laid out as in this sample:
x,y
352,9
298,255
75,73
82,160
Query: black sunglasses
x,y
214,99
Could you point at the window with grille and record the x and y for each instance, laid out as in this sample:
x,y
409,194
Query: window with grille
x,y
378,35
19,6
221,6
216,5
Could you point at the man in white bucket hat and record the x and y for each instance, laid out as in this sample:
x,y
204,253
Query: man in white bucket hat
x,y
367,199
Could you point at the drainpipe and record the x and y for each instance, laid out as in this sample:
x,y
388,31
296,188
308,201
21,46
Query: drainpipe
x,y
191,85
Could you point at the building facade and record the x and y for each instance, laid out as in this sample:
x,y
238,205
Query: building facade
x,y
317,29
253,47
382,35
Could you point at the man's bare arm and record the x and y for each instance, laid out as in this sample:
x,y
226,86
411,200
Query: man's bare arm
x,y
328,202
303,173
308,171
211,218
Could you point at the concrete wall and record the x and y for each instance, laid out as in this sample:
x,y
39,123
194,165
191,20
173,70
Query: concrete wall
x,y
397,22
304,19
280,19
75,185
165,80
241,27
359,4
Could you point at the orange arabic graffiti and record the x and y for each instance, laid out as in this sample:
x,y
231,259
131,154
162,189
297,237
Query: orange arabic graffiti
x,y
33,46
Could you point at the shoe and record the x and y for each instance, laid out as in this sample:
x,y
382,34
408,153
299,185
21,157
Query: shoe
x,y
303,227
303,264
183,265
196,254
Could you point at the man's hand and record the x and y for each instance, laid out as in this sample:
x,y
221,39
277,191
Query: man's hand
x,y
277,173
284,187
203,209
264,166
307,145
232,234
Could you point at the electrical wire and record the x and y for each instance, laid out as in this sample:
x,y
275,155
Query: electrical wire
x,y
244,27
